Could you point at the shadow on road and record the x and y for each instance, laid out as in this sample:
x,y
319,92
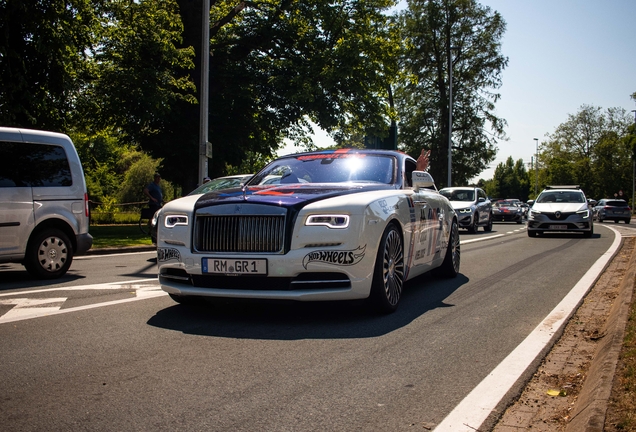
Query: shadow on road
x,y
306,320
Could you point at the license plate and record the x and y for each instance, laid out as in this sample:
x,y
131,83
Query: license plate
x,y
558,227
234,266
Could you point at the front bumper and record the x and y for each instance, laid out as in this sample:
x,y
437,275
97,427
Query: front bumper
x,y
286,279
84,243
571,224
507,217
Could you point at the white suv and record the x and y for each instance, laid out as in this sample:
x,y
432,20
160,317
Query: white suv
x,y
44,215
560,208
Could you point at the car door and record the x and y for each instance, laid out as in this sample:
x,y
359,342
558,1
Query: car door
x,y
483,206
16,199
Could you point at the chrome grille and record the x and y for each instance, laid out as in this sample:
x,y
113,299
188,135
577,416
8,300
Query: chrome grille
x,y
239,233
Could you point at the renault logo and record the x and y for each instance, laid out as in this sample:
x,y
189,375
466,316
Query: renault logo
x,y
557,214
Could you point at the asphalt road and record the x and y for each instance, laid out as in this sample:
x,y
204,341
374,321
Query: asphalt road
x,y
104,349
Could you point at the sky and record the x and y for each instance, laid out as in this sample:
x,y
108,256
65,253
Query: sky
x,y
562,54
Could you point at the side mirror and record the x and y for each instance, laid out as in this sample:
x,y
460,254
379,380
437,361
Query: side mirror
x,y
481,199
530,202
422,179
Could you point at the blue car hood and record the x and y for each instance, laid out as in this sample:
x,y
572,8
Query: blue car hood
x,y
294,195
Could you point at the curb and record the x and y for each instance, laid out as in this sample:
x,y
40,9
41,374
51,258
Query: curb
x,y
591,408
121,249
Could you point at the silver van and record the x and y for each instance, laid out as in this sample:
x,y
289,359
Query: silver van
x,y
44,215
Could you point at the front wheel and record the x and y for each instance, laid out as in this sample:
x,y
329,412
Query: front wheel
x,y
388,275
450,265
49,254
472,228
488,227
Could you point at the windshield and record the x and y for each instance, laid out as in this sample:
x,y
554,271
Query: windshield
x,y
616,203
467,195
560,197
220,183
328,168
505,203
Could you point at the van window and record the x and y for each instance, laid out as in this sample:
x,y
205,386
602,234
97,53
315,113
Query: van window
x,y
36,165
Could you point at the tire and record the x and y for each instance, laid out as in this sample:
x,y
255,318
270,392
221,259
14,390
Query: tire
x,y
472,228
488,227
388,274
600,220
49,254
627,221
452,259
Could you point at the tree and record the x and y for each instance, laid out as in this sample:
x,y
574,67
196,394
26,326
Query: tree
x,y
590,149
44,47
276,65
469,34
139,74
511,179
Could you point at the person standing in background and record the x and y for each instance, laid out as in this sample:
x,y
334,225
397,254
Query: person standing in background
x,y
154,194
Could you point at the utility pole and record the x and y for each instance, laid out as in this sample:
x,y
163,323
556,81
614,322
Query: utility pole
x,y
205,148
450,115
536,169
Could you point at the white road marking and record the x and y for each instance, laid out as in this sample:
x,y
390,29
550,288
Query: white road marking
x,y
29,308
477,406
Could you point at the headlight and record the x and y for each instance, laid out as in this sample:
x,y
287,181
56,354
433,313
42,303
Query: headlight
x,y
464,210
174,220
584,213
331,221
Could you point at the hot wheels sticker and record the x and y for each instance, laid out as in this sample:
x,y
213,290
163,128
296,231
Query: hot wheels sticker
x,y
339,258
167,254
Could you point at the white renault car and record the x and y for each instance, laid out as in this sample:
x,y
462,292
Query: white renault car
x,y
560,208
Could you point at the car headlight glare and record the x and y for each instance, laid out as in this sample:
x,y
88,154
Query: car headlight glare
x,y
174,220
584,213
331,221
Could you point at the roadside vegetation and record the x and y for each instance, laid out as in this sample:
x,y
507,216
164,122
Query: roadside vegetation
x,y
118,236
622,407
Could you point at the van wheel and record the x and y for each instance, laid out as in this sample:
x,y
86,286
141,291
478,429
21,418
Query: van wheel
x,y
49,254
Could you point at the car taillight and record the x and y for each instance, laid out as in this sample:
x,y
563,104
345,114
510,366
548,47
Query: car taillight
x,y
86,204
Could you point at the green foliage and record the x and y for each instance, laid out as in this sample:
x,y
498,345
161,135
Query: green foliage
x,y
105,212
510,181
593,149
43,60
279,65
469,34
138,73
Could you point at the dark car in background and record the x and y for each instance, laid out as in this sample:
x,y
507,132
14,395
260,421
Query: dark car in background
x,y
612,209
507,211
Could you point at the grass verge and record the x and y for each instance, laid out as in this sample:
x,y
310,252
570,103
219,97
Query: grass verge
x,y
118,236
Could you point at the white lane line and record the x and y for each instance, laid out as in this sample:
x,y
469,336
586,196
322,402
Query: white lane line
x,y
482,400
29,308
132,284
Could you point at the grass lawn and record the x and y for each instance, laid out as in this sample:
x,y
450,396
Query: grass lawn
x,y
118,235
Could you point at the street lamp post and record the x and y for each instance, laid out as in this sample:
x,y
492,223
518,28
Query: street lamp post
x,y
536,169
450,115
634,166
204,146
